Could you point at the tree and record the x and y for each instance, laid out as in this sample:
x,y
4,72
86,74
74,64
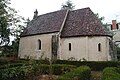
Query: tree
x,y
100,18
11,24
4,31
68,5
105,25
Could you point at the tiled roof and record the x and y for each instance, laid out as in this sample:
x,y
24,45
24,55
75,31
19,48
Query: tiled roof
x,y
80,22
47,23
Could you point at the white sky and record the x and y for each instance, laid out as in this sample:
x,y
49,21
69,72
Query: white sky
x,y
110,9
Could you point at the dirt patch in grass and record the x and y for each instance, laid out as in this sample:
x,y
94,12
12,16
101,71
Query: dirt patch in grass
x,y
96,75
46,77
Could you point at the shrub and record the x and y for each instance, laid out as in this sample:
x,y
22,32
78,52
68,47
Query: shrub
x,y
42,69
31,70
62,68
4,61
57,69
111,73
81,73
40,61
11,65
94,65
15,73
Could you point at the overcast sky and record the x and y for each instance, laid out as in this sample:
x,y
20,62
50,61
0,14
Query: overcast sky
x,y
110,9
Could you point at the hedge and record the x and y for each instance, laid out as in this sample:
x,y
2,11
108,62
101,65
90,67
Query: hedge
x,y
62,68
40,61
81,73
12,65
15,73
30,71
111,73
5,61
57,69
94,65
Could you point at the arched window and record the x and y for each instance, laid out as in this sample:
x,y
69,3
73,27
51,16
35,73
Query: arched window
x,y
39,44
99,47
69,46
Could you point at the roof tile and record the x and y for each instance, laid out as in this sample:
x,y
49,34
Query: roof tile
x,y
80,22
50,22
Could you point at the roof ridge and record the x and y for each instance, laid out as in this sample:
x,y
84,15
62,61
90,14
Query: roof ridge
x,y
50,13
63,23
82,9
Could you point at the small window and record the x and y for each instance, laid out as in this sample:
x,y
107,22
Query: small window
x,y
39,44
99,47
69,46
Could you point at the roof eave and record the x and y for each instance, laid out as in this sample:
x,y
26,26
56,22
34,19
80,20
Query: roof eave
x,y
84,36
37,34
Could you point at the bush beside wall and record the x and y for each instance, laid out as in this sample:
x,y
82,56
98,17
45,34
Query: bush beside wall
x,y
94,65
81,73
